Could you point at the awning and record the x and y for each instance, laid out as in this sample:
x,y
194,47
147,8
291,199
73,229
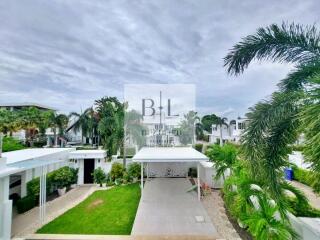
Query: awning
x,y
20,160
86,154
169,154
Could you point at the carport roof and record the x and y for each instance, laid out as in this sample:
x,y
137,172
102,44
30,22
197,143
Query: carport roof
x,y
169,154
20,160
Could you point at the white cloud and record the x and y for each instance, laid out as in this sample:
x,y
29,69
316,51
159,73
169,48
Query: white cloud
x,y
68,53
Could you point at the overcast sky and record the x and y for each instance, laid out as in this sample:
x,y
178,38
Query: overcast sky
x,y
66,54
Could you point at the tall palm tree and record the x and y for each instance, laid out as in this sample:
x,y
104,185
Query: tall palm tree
x,y
220,121
86,122
58,122
273,124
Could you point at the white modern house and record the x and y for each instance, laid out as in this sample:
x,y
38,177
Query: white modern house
x,y
87,161
230,132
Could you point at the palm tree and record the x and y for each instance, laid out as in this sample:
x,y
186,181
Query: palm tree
x,y
273,124
86,122
58,122
220,121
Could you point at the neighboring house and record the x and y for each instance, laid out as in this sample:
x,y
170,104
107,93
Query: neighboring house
x,y
230,132
22,134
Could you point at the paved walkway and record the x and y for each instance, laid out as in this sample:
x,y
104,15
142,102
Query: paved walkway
x,y
215,208
167,209
314,199
27,223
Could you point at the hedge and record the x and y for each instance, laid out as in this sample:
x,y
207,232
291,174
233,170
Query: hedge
x,y
198,147
26,203
307,177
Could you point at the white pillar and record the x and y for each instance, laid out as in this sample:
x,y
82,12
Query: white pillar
x,y
198,178
141,185
5,208
42,195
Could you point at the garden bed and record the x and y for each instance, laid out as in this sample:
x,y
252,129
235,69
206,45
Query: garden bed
x,y
105,212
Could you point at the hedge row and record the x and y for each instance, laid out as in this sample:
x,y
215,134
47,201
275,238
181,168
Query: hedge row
x,y
307,177
62,177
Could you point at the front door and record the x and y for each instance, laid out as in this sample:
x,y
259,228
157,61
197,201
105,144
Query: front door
x,y
88,170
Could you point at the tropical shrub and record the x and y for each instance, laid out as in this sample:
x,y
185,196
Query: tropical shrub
x,y
74,172
198,147
99,176
134,170
26,203
126,177
116,172
11,144
223,157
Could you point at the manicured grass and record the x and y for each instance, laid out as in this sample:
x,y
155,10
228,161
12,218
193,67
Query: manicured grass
x,y
106,212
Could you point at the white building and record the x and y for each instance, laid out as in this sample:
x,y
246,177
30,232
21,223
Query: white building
x,y
230,132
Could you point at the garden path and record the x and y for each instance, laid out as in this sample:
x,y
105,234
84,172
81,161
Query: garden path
x,y
214,205
27,223
313,198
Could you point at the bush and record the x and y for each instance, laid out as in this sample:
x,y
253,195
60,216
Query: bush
x,y
11,144
33,187
26,203
62,177
74,172
307,177
116,171
99,176
198,147
134,170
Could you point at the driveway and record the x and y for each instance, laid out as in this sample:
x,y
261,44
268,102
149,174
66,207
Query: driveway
x,y
166,208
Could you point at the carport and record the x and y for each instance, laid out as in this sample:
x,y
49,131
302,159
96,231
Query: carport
x,y
21,161
163,155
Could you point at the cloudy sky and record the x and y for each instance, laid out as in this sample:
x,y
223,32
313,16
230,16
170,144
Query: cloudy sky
x,y
66,54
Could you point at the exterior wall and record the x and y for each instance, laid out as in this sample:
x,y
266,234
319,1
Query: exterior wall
x,y
5,208
79,163
168,169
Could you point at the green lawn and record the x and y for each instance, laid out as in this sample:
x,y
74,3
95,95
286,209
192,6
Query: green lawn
x,y
109,212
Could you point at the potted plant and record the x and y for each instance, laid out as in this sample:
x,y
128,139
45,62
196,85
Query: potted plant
x,y
99,176
62,179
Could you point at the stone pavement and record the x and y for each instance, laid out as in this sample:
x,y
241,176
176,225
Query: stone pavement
x,y
215,208
313,198
27,223
167,209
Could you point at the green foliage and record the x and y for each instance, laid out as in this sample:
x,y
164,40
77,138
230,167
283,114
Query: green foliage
x,y
298,148
26,203
307,177
134,170
192,172
11,144
223,157
33,187
62,177
110,126
186,128
198,147
114,216
74,173
207,121
99,176
116,171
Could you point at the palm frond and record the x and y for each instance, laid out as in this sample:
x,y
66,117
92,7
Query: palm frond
x,y
293,43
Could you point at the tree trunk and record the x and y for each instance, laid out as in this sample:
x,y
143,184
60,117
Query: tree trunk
x,y
221,140
55,136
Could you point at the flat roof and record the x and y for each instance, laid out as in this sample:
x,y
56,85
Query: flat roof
x,y
26,104
86,154
20,160
169,154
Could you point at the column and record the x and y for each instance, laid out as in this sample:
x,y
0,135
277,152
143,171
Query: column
x,y
5,208
43,194
141,185
198,178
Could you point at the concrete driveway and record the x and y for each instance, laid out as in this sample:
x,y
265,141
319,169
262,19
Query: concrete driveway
x,y
166,208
